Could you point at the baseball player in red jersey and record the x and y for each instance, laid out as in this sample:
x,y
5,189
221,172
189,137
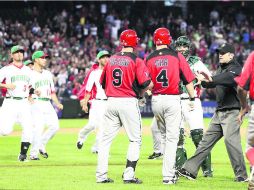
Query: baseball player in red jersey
x,y
246,83
96,113
82,92
167,68
125,78
92,114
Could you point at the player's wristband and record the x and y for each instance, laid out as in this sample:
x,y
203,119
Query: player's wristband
x,y
192,99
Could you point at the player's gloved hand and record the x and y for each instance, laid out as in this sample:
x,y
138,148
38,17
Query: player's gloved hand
x,y
191,104
142,102
10,86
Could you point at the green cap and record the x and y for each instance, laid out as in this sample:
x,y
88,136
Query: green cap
x,y
39,54
27,62
102,53
16,48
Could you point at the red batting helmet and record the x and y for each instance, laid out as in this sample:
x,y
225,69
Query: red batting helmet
x,y
129,38
161,36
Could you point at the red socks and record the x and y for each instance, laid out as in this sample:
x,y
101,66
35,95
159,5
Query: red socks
x,y
250,155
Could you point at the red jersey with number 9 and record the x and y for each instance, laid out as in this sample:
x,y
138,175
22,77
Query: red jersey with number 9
x,y
124,75
167,67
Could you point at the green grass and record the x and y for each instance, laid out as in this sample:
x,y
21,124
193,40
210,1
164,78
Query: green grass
x,y
69,168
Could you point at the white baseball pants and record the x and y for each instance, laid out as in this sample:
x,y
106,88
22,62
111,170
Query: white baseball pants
x,y
168,109
43,114
120,112
16,110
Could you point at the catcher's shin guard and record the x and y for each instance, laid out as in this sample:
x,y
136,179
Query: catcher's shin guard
x,y
181,155
197,135
181,138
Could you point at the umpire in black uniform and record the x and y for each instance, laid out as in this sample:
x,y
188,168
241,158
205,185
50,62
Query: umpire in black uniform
x,y
224,121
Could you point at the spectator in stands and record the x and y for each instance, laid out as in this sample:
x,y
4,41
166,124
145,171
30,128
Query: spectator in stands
x,y
74,35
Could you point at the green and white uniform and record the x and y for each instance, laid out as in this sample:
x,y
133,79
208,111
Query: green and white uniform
x,y
15,105
43,112
194,118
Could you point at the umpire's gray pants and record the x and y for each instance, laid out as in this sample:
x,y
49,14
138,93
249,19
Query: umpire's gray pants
x,y
223,123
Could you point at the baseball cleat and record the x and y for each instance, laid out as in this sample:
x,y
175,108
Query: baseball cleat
x,y
134,181
34,158
155,156
22,157
108,180
241,179
169,182
185,173
44,154
208,174
79,145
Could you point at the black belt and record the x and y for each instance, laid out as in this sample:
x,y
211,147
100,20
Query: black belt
x,y
227,109
187,98
16,98
101,99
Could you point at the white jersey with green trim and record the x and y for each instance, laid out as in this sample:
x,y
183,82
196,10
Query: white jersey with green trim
x,y
197,66
43,81
20,77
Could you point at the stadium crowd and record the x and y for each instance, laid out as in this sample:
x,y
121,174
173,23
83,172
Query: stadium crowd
x,y
72,38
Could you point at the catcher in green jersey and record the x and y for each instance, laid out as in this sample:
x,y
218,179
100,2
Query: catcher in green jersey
x,y
194,118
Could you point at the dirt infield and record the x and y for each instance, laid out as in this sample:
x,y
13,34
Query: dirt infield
x,y
145,131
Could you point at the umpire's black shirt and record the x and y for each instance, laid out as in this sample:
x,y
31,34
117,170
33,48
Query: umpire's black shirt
x,y
226,87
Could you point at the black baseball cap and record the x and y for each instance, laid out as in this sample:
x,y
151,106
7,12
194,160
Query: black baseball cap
x,y
226,48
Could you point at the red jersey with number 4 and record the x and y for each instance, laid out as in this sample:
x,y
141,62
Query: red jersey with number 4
x,y
246,79
167,67
124,75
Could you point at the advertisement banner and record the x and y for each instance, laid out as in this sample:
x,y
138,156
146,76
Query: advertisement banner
x,y
209,108
72,109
